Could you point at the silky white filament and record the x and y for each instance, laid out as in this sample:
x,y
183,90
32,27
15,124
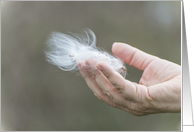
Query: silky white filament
x,y
65,51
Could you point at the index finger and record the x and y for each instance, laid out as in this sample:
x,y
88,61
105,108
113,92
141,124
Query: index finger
x,y
132,56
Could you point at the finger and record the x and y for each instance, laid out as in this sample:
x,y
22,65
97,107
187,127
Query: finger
x,y
94,86
89,78
129,90
105,85
132,56
130,108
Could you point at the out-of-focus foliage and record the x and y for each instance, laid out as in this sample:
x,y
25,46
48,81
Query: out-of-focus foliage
x,y
36,95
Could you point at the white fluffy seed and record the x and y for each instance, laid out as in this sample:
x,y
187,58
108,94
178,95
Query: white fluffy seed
x,y
65,51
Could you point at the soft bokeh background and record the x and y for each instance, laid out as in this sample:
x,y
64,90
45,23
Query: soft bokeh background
x,y
36,95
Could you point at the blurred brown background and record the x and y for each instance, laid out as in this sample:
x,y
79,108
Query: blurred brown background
x,y
36,95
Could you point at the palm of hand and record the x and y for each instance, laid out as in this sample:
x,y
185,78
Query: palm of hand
x,y
163,87
158,72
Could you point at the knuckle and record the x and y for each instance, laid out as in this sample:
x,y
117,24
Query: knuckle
x,y
143,108
137,107
134,112
132,106
110,75
118,88
123,86
109,95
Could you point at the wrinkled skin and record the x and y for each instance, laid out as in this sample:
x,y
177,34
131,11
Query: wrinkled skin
x,y
158,91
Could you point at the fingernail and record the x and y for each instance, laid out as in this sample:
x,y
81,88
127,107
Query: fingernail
x,y
99,67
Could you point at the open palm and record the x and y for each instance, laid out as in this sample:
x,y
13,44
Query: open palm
x,y
158,91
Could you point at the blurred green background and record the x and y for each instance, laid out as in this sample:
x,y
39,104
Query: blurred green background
x,y
36,95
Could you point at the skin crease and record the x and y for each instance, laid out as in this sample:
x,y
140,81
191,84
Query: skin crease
x,y
158,91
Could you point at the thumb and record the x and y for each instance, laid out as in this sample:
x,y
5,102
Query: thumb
x,y
132,55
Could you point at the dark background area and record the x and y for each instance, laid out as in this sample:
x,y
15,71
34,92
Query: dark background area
x,y
36,95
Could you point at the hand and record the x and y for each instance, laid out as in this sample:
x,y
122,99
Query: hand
x,y
158,91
